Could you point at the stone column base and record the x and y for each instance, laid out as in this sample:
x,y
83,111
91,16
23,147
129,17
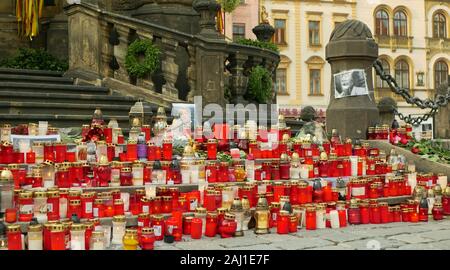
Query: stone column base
x,y
351,122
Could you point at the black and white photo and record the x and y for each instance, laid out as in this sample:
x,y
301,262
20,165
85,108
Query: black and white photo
x,y
350,83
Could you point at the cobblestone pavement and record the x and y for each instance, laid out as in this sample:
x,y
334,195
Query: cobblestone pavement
x,y
429,235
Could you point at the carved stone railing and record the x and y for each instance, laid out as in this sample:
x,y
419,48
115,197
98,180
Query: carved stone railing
x,y
191,65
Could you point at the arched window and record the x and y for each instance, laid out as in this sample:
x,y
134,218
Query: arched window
x,y
400,24
387,69
402,74
382,23
439,26
440,73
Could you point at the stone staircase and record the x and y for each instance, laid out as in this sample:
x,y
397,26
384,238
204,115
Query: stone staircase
x,y
28,96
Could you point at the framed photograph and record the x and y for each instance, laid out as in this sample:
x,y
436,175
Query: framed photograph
x,y
350,83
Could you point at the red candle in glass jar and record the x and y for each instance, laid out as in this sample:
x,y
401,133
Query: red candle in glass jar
x,y
152,152
302,190
228,226
354,214
11,215
147,239
111,151
293,224
143,220
210,201
211,148
274,213
147,131
98,209
62,177
327,193
156,206
275,171
30,157
126,177
211,224
211,171
384,212
147,206
107,132
7,153
158,225
438,211
266,171
167,149
25,203
87,203
285,167
365,215
375,215
278,191
223,172
172,229
283,222
187,221
348,148
166,206
14,236
132,151
74,208
310,223
119,207
196,228
183,204
57,237
60,152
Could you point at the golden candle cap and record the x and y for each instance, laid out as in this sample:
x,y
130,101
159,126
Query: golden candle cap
x,y
120,218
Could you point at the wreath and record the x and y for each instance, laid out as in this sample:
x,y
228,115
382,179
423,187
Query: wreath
x,y
150,62
259,85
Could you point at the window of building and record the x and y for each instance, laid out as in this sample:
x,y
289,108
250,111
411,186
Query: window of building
x,y
400,24
439,26
280,81
280,31
238,31
402,74
314,33
387,69
314,82
440,73
382,23
241,2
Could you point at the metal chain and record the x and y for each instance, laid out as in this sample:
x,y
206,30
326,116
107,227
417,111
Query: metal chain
x,y
440,100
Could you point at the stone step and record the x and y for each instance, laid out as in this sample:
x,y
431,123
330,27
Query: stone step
x,y
35,79
65,98
31,72
58,120
13,107
53,88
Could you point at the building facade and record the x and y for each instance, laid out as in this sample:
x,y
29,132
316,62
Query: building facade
x,y
240,22
412,37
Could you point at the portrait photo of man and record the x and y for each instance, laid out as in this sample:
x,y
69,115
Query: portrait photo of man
x,y
350,83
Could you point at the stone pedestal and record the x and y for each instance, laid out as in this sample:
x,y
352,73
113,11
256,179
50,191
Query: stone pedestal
x,y
352,46
442,118
386,108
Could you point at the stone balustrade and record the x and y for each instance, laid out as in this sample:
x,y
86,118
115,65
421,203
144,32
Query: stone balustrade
x,y
191,65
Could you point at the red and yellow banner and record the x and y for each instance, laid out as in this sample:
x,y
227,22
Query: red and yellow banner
x,y
220,24
28,13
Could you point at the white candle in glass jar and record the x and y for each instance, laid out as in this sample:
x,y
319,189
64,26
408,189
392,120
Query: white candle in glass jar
x,y
304,171
334,219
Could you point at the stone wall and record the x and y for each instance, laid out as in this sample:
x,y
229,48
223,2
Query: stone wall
x,y
52,36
